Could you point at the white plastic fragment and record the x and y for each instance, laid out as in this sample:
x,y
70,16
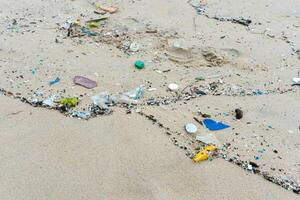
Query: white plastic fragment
x,y
49,101
173,87
209,139
191,128
296,80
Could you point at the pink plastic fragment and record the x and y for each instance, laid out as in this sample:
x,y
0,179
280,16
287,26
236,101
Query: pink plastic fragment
x,y
85,82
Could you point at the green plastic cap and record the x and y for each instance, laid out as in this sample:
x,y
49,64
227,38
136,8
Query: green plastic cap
x,y
139,64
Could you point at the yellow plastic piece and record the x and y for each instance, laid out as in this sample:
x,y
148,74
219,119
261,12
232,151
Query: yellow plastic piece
x,y
201,156
204,154
93,24
210,148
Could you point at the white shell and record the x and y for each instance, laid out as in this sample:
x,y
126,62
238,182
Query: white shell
x,y
191,128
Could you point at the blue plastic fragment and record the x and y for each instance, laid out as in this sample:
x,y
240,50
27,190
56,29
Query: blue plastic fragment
x,y
213,125
54,81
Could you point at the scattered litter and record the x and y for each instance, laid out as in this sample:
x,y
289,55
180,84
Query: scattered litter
x,y
152,89
201,156
191,128
296,80
204,154
54,81
85,82
173,87
139,64
121,98
116,34
102,100
88,32
138,93
82,115
213,125
49,101
67,25
209,139
95,23
198,6
134,47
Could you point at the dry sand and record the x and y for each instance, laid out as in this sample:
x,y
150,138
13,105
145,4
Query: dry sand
x,y
46,155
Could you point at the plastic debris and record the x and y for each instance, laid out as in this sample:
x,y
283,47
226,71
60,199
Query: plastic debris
x,y
201,156
173,87
191,128
85,82
88,32
123,99
67,25
95,23
130,98
152,89
200,9
134,47
102,100
138,93
54,81
69,102
204,154
209,139
213,125
49,101
296,80
139,64
82,115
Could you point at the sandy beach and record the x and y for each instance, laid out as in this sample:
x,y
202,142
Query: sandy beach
x,y
125,137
